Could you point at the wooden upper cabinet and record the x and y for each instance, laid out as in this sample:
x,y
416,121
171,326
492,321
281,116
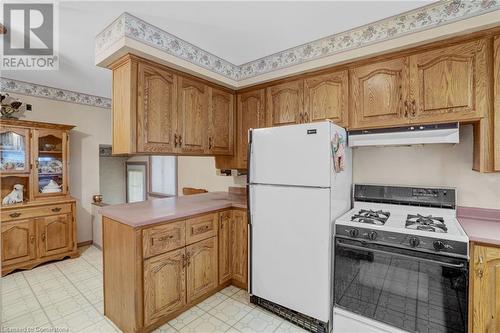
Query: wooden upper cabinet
x,y
251,114
18,242
285,103
201,270
485,291
156,110
164,285
326,97
55,234
496,99
221,122
378,94
449,84
193,116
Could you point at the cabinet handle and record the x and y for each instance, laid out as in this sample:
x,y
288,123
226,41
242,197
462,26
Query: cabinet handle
x,y
480,273
480,259
57,209
406,109
16,214
180,140
32,239
210,143
43,237
175,140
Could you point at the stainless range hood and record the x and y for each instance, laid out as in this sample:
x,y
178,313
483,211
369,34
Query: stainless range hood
x,y
405,136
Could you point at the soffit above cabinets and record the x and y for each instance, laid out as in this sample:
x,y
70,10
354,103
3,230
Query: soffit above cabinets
x,y
439,20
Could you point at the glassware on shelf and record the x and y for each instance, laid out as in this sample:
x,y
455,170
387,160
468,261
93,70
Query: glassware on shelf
x,y
50,164
12,152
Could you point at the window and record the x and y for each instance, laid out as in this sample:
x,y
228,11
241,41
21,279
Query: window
x,y
136,181
163,180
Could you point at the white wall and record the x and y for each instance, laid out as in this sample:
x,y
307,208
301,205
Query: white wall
x,y
200,172
433,165
93,127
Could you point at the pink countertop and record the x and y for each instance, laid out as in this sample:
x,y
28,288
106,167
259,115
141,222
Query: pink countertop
x,y
481,225
153,211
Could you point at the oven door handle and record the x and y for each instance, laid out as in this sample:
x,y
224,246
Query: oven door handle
x,y
355,247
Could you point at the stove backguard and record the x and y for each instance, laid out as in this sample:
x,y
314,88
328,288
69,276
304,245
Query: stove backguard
x,y
406,195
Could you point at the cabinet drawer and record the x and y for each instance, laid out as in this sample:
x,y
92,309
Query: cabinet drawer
x,y
200,228
24,213
163,238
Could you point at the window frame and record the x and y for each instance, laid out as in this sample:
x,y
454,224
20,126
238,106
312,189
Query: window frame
x,y
176,180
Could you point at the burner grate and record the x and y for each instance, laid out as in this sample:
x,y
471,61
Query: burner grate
x,y
377,217
426,223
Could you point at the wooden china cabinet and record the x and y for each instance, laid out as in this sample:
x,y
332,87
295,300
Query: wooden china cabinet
x,y
42,227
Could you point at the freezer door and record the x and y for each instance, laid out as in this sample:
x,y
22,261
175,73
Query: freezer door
x,y
291,155
290,247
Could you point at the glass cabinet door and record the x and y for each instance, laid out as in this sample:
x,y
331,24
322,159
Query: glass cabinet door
x,y
14,150
51,162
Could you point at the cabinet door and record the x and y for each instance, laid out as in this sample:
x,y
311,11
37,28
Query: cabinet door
x,y
449,84
221,122
486,289
325,97
201,270
51,162
251,114
55,234
239,251
18,242
285,103
225,224
14,150
496,97
192,116
164,285
156,110
378,94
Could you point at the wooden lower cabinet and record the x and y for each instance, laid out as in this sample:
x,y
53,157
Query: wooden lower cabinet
x,y
225,226
484,298
152,273
239,250
33,234
18,242
164,285
55,234
201,268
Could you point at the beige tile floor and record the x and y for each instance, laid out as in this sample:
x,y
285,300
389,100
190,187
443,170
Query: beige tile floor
x,y
68,295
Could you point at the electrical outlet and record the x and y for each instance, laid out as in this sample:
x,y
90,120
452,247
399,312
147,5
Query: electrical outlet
x,y
29,107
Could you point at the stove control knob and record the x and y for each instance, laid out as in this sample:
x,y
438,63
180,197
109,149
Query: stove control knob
x,y
438,245
354,233
372,235
414,241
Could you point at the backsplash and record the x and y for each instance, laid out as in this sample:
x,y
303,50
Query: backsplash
x,y
430,165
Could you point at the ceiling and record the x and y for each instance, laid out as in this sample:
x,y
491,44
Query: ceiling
x,y
238,32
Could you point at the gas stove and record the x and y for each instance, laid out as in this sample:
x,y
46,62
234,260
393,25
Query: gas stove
x,y
422,219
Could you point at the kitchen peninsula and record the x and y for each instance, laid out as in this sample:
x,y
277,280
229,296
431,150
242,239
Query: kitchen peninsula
x,y
163,256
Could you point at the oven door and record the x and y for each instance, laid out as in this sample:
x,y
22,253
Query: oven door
x,y
411,290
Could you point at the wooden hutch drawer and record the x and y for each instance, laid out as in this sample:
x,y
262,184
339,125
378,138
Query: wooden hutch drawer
x,y
163,238
32,212
201,227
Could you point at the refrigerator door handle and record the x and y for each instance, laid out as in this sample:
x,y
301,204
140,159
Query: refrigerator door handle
x,y
249,213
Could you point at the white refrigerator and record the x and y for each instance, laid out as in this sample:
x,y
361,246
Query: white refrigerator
x,y
299,182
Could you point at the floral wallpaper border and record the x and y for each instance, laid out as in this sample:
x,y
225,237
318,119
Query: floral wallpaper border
x,y
433,15
37,90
